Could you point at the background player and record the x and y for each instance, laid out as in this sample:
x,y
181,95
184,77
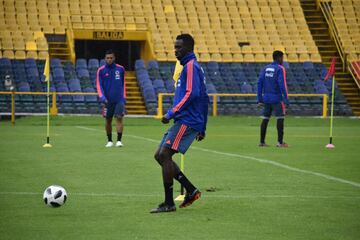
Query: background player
x,y
273,96
110,85
189,111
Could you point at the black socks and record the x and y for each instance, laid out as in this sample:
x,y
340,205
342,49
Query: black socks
x,y
169,200
119,136
264,125
181,178
109,136
280,130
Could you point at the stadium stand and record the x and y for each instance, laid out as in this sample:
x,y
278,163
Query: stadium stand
x,y
347,17
218,26
234,38
241,77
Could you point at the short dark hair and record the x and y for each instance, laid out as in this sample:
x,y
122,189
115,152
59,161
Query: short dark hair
x,y
187,39
110,51
277,54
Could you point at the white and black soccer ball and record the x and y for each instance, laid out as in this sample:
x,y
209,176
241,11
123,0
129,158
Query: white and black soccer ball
x,y
55,196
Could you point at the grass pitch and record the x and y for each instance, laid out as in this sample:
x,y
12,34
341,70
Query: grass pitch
x,y
304,192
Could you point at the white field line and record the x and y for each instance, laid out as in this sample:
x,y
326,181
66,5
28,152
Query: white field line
x,y
206,195
260,160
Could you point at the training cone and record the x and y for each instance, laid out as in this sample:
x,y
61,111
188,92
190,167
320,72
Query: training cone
x,y
180,198
47,145
330,145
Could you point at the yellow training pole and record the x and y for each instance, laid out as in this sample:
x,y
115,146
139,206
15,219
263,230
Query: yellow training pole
x,y
331,145
182,168
325,108
13,107
332,109
47,79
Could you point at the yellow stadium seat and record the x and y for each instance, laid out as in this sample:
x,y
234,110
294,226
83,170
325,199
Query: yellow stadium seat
x,y
237,57
227,57
248,57
161,56
292,57
8,54
315,57
20,55
259,57
7,44
31,54
19,44
31,46
216,57
42,55
204,57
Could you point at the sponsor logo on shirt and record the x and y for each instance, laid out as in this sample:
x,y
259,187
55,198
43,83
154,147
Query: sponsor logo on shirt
x,y
117,75
269,72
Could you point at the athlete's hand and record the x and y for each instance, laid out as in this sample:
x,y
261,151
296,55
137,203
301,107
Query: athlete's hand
x,y
260,104
200,137
165,120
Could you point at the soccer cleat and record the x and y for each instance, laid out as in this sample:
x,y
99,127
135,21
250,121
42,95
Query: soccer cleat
x,y
109,144
282,145
190,198
164,207
263,145
118,144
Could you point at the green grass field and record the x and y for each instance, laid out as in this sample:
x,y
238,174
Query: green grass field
x,y
304,192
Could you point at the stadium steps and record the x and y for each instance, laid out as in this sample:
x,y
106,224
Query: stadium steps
x,y
58,47
134,101
327,50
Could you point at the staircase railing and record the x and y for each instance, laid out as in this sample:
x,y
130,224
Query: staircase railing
x,y
326,9
354,69
70,40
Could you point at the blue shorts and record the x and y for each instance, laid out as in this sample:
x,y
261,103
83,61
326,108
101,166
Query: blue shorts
x,y
114,109
277,108
178,137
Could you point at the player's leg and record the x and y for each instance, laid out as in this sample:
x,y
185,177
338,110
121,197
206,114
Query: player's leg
x,y
108,114
119,115
264,124
182,142
280,115
164,157
178,174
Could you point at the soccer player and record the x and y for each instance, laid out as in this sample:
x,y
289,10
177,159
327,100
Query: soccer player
x,y
189,111
110,85
272,94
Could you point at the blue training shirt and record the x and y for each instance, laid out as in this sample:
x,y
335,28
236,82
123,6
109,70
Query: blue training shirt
x,y
190,104
272,87
110,83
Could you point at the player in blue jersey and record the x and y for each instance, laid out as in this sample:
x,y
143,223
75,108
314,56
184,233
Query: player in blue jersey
x,y
110,85
189,111
273,96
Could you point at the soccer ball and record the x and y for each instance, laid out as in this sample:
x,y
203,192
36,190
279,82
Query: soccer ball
x,y
55,196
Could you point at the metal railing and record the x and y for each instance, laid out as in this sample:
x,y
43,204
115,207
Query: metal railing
x,y
53,108
215,96
334,32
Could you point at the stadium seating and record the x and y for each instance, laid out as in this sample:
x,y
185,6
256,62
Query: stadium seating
x,y
347,19
242,77
218,26
66,77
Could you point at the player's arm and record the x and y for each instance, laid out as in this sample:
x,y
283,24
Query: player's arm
x,y
99,88
124,85
205,109
260,87
283,85
192,85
